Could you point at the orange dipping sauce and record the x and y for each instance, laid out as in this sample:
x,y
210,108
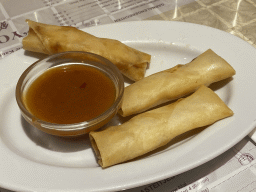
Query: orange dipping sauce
x,y
70,94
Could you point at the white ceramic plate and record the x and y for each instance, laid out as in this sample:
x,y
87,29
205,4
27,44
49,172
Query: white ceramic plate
x,y
34,161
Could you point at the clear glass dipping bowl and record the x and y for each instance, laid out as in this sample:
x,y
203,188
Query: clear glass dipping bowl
x,y
39,67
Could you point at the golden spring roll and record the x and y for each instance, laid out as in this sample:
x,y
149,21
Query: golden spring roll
x,y
153,129
50,39
174,83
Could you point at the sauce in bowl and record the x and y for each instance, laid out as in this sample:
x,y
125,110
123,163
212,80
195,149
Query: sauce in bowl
x,y
70,94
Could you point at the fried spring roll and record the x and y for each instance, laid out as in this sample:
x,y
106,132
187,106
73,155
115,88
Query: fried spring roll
x,y
153,129
50,39
174,83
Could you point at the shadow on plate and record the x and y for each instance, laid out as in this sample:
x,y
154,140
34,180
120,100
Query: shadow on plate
x,y
35,55
55,143
218,85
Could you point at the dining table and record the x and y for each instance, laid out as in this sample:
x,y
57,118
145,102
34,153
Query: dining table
x,y
232,168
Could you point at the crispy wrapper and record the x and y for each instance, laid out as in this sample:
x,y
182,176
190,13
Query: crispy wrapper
x,y
153,129
51,39
174,83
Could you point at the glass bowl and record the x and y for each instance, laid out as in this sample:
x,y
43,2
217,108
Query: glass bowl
x,y
70,58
